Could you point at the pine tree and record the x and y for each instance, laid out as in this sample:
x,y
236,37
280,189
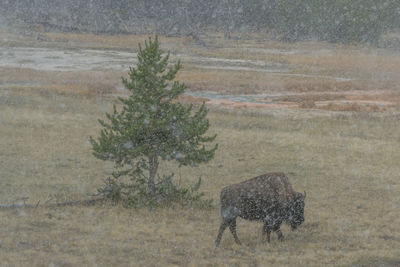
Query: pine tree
x,y
152,124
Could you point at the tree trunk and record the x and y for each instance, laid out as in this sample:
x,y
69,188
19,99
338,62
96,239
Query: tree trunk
x,y
153,166
229,21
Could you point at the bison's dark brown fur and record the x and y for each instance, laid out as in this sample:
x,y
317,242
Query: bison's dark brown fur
x,y
269,198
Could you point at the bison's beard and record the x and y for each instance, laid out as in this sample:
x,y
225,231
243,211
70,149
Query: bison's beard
x,y
295,222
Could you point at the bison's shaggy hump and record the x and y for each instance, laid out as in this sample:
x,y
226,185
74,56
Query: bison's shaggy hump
x,y
270,188
269,197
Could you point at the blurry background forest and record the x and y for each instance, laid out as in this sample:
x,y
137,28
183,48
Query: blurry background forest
x,y
334,21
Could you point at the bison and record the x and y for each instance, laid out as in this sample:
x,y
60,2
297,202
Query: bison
x,y
269,198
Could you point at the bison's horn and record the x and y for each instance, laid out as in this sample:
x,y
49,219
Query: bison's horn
x,y
305,194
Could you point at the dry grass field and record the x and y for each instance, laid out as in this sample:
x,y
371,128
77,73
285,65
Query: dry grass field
x,y
347,161
299,75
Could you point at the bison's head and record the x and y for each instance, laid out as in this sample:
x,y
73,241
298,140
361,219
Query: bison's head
x,y
296,211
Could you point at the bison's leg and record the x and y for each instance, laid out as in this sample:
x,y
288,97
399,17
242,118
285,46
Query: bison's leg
x,y
273,223
222,228
266,231
232,226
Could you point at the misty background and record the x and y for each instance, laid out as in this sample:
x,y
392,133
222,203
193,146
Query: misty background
x,y
335,21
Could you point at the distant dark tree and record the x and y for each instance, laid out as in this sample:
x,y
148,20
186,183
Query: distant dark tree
x,y
356,21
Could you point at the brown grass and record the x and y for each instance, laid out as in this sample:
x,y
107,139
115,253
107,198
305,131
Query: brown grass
x,y
368,63
295,91
351,60
33,37
370,69
307,104
355,107
91,83
348,164
378,101
249,82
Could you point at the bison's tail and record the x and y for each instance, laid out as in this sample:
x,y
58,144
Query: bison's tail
x,y
224,197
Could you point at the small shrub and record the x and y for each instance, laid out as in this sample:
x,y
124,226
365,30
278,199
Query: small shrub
x,y
100,89
307,104
135,194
